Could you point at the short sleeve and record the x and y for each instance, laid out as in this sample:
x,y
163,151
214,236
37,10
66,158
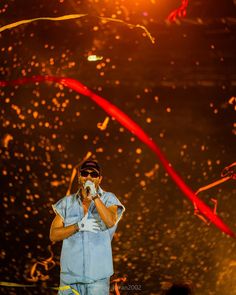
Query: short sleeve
x,y
111,201
60,208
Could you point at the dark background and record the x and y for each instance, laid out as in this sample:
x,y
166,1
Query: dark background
x,y
178,90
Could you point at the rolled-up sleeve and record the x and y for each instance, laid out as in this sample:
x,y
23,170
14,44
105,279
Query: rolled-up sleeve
x,y
111,201
60,208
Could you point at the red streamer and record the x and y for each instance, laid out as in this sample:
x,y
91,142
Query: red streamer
x,y
129,124
179,12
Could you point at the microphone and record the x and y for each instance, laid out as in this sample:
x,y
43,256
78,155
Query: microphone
x,y
88,186
87,190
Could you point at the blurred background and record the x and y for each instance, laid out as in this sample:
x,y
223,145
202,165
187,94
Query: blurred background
x,y
181,90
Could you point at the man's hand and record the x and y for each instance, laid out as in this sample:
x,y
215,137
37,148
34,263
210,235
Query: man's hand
x,y
88,224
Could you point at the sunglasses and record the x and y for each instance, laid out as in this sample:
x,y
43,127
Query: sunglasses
x,y
93,174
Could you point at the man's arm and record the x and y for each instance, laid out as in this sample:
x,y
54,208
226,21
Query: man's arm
x,y
59,232
108,214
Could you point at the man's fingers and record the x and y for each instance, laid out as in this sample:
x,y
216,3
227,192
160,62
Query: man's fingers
x,y
93,220
94,231
96,227
91,224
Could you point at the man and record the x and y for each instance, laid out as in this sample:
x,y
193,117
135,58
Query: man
x,y
86,222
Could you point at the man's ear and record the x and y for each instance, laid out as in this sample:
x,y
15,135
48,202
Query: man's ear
x,y
100,179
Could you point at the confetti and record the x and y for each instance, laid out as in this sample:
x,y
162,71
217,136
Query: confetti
x,y
135,129
179,12
94,58
103,126
36,274
26,21
5,141
75,16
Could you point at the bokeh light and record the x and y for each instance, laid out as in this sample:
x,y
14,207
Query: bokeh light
x,y
180,90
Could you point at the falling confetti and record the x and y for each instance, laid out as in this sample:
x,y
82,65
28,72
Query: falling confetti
x,y
7,138
151,173
94,58
26,21
232,100
116,283
229,171
36,273
103,126
75,16
227,174
134,128
217,182
179,12
188,74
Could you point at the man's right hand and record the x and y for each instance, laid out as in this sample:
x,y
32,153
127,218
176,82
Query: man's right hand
x,y
88,224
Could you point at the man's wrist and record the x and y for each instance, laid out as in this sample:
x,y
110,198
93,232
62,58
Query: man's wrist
x,y
76,227
95,197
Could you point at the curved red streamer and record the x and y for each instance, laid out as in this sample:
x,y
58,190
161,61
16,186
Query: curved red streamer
x,y
179,12
128,123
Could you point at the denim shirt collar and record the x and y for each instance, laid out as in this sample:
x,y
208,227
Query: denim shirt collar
x,y
100,191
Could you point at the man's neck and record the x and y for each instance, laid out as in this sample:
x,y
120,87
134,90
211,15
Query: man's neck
x,y
86,201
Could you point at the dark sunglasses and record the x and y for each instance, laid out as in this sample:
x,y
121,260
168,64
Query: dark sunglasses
x,y
93,174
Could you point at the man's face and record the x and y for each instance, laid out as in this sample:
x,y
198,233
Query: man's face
x,y
91,175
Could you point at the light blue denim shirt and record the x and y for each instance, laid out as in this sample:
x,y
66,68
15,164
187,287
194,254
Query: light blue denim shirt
x,y
85,256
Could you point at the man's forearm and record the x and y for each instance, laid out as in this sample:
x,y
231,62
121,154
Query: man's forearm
x,y
61,233
108,217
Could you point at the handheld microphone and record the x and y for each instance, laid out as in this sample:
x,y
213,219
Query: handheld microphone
x,y
87,190
88,186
